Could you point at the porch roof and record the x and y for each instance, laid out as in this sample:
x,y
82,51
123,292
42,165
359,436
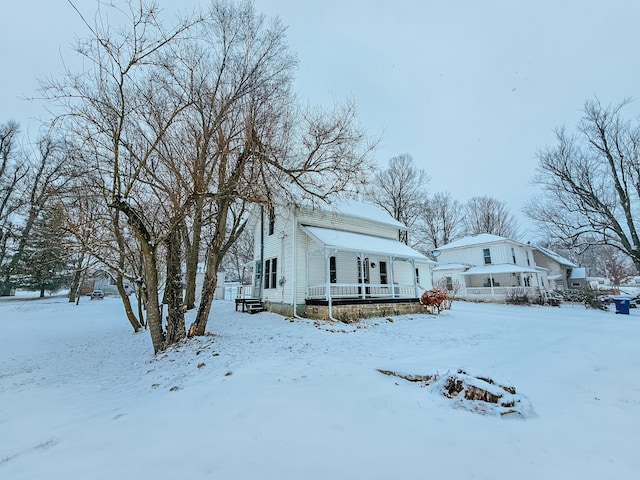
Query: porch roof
x,y
501,268
358,242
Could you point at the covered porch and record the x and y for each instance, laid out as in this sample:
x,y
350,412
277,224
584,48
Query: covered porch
x,y
497,281
347,268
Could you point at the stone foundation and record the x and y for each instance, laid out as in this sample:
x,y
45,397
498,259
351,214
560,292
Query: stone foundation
x,y
352,313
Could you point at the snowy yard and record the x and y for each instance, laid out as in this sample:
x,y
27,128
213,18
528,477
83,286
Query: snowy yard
x,y
82,397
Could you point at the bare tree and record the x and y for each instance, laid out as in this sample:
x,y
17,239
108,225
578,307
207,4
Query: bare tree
x,y
485,214
12,174
591,182
188,126
43,176
441,220
400,189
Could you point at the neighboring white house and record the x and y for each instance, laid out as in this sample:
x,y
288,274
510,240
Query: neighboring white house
x,y
488,267
343,261
562,274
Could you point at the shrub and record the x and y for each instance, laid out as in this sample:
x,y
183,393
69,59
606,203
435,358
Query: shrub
x,y
434,298
517,296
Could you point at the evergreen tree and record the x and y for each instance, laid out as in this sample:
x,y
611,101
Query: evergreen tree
x,y
45,264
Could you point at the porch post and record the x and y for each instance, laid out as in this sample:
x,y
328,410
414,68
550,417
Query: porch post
x,y
415,280
491,284
327,276
363,288
306,275
327,287
393,288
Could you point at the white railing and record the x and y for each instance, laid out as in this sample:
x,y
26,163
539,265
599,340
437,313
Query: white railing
x,y
354,290
502,292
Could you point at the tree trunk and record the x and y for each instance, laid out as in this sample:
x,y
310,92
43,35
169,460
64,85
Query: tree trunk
x,y
173,290
193,256
209,285
126,302
74,291
42,292
214,258
75,285
154,317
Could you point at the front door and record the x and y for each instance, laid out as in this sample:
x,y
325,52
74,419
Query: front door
x,y
363,269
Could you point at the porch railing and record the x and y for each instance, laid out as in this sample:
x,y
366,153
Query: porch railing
x,y
354,290
502,292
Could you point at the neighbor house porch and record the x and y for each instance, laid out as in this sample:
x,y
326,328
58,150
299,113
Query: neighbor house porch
x,y
496,282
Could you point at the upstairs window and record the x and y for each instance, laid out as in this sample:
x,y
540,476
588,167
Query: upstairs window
x,y
487,256
528,261
513,255
272,221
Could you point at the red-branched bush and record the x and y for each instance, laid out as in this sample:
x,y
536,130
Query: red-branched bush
x,y
434,297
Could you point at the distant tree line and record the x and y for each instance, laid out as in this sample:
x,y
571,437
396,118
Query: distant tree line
x,y
435,219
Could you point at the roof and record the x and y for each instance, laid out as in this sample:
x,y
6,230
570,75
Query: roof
x,y
500,268
358,242
451,266
578,273
554,256
480,239
356,209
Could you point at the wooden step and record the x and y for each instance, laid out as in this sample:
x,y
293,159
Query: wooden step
x,y
251,305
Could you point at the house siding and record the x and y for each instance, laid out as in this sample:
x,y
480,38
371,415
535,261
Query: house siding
x,y
500,254
351,224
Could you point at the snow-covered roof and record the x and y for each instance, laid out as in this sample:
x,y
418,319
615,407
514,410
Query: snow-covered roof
x,y
554,256
500,268
578,273
482,238
356,209
451,266
358,242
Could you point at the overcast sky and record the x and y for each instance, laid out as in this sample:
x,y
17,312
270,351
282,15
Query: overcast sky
x,y
471,89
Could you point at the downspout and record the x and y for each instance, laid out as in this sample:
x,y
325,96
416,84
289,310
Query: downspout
x,y
294,267
260,283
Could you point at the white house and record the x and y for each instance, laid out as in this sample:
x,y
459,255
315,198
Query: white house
x,y
562,274
488,267
342,261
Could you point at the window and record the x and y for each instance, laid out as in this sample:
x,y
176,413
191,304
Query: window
x,y
272,221
383,273
513,255
487,256
528,262
274,272
271,273
366,270
417,276
267,273
527,282
449,281
333,273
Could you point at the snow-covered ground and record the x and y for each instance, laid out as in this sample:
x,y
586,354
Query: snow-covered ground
x,y
263,397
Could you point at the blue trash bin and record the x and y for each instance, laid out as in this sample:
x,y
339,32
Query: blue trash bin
x,y
622,305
